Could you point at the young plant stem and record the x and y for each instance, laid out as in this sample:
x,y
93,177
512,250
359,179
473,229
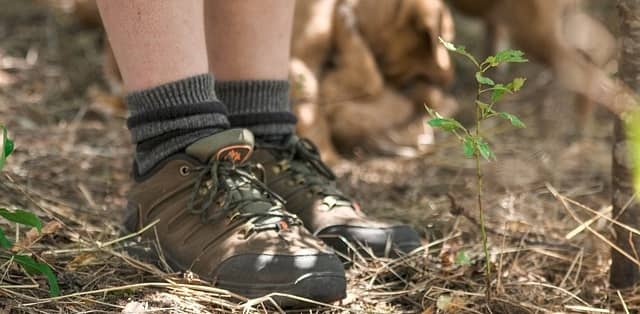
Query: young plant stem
x,y
483,231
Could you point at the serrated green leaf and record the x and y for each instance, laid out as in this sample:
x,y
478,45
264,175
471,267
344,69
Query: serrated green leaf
x,y
468,146
515,121
4,242
484,80
445,124
33,267
506,56
516,84
22,217
483,148
462,259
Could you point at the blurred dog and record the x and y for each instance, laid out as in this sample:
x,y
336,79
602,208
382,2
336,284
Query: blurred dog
x,y
369,67
556,33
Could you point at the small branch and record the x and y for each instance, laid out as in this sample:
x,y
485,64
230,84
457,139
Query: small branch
x,y
483,231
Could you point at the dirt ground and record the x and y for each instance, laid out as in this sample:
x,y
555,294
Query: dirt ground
x,y
73,156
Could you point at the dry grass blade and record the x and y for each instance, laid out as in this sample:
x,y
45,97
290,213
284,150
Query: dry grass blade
x,y
566,206
624,304
600,214
586,309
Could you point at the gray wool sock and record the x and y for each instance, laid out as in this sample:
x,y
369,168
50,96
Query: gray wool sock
x,y
165,119
262,106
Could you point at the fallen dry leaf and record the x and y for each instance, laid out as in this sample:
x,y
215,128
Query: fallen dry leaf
x,y
32,236
81,260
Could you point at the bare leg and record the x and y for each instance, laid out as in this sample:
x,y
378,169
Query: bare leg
x,y
162,54
249,39
156,42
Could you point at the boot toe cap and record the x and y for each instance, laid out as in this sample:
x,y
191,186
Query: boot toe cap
x,y
391,241
318,277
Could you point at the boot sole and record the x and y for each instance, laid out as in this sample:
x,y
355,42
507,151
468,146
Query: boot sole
x,y
324,287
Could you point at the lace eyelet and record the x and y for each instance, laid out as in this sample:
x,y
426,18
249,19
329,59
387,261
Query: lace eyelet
x,y
185,171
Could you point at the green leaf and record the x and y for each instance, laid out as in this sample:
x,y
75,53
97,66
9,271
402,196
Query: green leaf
x,y
484,108
445,124
468,146
484,80
462,259
515,121
22,217
460,50
483,148
33,267
4,242
516,84
7,147
498,91
505,56
490,60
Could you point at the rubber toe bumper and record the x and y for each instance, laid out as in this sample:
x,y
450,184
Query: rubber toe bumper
x,y
318,277
384,242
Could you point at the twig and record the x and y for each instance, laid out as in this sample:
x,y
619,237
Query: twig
x,y
624,304
129,236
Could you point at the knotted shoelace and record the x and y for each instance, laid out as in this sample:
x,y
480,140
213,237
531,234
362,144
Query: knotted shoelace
x,y
239,195
302,163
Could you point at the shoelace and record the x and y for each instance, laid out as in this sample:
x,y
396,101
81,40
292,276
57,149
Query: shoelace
x,y
303,164
236,189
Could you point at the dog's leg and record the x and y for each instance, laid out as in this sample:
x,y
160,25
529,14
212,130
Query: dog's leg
x,y
312,119
356,73
579,75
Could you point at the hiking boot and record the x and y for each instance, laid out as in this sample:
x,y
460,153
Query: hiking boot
x,y
294,171
215,219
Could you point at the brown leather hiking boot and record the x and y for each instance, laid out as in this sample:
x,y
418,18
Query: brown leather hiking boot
x,y
218,221
294,171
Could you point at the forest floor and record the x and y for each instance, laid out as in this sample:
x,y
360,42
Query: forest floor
x,y
72,160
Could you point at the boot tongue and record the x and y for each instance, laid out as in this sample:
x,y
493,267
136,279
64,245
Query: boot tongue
x,y
235,145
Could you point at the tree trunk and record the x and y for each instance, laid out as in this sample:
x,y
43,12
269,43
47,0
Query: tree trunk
x,y
625,273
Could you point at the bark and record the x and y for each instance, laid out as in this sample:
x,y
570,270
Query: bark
x,y
625,273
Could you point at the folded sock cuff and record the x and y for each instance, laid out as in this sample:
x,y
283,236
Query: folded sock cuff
x,y
261,105
165,119
191,90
